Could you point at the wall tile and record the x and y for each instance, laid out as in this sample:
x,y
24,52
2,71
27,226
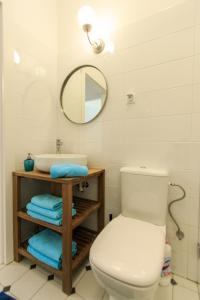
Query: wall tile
x,y
192,267
172,128
195,127
196,102
175,18
197,69
171,101
167,75
179,263
197,12
197,39
176,46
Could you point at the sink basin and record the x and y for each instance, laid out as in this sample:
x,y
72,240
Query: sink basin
x,y
43,162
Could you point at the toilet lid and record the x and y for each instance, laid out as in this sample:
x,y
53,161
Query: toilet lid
x,y
130,250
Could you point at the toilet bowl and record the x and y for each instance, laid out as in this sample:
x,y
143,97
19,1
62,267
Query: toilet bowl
x,y
127,256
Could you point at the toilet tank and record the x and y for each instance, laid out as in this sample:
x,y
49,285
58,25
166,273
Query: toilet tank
x,y
144,194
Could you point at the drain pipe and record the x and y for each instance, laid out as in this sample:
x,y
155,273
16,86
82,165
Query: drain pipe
x,y
180,235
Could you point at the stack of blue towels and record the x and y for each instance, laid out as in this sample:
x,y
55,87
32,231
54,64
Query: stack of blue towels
x,y
46,246
47,208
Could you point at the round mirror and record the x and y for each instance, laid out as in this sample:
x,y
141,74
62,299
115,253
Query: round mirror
x,y
83,94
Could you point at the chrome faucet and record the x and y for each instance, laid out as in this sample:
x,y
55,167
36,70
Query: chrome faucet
x,y
59,144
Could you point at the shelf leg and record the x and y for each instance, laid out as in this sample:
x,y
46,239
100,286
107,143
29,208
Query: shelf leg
x,y
101,198
55,189
16,221
67,238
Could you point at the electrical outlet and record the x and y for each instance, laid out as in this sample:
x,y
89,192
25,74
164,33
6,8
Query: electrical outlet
x,y
130,98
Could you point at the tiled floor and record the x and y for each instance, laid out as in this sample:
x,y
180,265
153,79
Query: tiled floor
x,y
24,283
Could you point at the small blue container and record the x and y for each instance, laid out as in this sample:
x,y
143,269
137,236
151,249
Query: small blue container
x,y
29,163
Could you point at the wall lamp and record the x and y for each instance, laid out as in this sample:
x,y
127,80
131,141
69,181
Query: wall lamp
x,y
87,18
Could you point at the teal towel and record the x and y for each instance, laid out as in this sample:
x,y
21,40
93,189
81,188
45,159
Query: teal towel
x,y
68,170
49,243
57,222
53,263
47,201
53,214
4,296
32,214
47,260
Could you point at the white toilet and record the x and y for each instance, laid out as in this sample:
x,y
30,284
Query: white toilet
x,y
127,256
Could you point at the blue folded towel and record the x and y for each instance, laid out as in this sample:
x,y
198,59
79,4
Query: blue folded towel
x,y
4,296
47,201
53,263
32,214
57,222
68,170
47,260
49,243
53,214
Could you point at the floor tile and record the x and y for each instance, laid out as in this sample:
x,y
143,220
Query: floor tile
x,y
188,284
181,293
29,284
164,293
78,274
50,291
13,272
105,297
75,297
88,288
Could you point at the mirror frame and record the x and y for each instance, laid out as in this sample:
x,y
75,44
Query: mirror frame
x,y
65,83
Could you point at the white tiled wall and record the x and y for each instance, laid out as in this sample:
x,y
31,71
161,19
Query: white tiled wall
x,y
30,88
157,47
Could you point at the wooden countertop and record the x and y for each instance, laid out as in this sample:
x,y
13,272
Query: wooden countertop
x,y
93,172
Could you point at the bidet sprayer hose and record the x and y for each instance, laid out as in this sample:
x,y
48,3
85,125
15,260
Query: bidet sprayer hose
x,y
179,233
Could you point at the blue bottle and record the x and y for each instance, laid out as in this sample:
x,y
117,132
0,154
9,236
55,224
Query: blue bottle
x,y
29,163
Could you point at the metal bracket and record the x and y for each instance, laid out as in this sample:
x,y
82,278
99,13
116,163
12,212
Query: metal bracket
x,y
88,268
6,288
173,282
32,266
50,277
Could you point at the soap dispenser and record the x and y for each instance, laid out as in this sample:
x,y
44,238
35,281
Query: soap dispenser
x,y
29,163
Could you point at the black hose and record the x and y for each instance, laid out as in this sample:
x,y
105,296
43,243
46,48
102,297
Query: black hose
x,y
179,233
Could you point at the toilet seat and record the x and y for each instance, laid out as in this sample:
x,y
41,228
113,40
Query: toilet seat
x,y
130,251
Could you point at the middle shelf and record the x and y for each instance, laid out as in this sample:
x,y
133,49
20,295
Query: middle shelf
x,y
84,208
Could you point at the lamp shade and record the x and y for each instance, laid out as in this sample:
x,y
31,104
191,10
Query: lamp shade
x,y
86,15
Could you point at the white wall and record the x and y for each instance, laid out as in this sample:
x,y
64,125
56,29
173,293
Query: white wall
x,y
30,88
157,56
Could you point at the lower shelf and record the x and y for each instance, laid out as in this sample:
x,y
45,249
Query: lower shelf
x,y
84,238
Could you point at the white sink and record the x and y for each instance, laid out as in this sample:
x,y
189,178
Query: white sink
x,y
43,162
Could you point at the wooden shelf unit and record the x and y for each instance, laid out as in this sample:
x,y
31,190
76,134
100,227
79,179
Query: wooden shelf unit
x,y
70,228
